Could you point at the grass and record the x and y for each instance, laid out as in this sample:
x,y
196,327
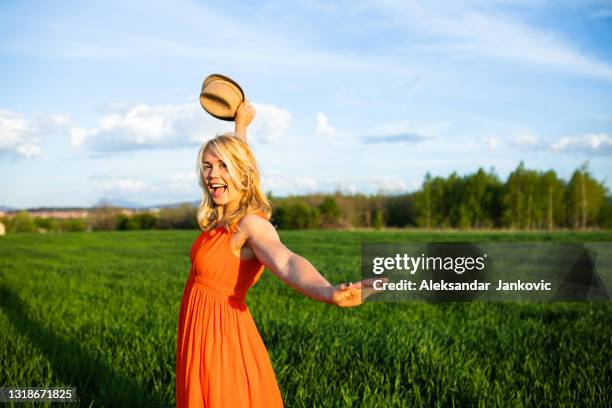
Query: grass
x,y
98,311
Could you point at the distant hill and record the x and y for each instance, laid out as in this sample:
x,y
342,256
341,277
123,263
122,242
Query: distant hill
x,y
192,203
101,203
105,202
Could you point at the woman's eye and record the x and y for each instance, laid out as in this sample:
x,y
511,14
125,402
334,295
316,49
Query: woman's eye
x,y
224,165
207,167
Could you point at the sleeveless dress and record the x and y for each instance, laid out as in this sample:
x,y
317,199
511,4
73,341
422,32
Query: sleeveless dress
x,y
221,360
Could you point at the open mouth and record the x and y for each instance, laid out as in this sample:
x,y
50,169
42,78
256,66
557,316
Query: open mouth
x,y
217,189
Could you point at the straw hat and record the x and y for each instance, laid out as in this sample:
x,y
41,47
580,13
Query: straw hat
x,y
221,96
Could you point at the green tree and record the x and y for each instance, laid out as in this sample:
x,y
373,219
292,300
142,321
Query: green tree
x,y
181,217
47,224
378,219
400,210
605,215
126,223
295,214
520,199
553,190
23,222
8,224
145,220
281,216
304,216
300,215
585,198
425,202
430,203
104,218
74,225
330,211
481,197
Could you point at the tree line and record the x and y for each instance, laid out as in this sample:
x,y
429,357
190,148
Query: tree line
x,y
106,218
527,199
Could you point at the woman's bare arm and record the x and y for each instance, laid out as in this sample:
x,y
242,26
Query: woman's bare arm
x,y
295,270
243,118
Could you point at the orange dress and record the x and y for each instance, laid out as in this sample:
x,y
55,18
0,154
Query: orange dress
x,y
221,360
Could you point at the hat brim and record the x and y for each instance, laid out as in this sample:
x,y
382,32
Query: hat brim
x,y
221,96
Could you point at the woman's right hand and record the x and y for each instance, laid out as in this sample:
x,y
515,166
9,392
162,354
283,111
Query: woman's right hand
x,y
353,294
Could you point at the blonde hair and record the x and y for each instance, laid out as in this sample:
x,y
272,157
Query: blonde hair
x,y
242,169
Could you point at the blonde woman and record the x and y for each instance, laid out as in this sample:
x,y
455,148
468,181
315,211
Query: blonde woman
x,y
221,360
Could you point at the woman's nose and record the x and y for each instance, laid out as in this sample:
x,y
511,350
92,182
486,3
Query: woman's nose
x,y
214,172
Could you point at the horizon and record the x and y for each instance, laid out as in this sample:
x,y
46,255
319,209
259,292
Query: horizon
x,y
132,205
100,100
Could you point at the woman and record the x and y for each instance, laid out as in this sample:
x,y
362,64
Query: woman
x,y
221,358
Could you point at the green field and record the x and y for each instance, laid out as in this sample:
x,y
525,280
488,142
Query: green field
x,y
98,311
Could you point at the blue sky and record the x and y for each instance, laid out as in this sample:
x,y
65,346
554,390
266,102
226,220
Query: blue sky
x,y
100,99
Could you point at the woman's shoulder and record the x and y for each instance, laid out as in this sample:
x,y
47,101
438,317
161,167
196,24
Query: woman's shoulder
x,y
254,220
252,225
254,217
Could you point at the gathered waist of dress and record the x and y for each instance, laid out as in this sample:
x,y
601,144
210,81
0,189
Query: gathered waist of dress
x,y
219,289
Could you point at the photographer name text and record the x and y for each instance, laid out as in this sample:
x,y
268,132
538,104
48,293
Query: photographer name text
x,y
475,285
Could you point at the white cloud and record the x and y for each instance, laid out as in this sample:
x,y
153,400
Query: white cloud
x,y
527,139
404,132
175,187
378,185
466,30
29,150
270,123
227,39
491,142
596,143
125,186
141,127
79,135
22,136
171,126
283,184
181,181
322,126
426,129
593,143
13,127
53,122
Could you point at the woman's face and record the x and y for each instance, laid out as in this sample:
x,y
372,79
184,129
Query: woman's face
x,y
218,181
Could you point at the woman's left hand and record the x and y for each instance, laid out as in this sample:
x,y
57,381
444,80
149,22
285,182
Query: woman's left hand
x,y
244,114
242,119
353,294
